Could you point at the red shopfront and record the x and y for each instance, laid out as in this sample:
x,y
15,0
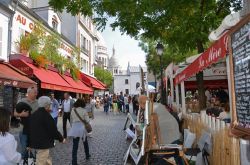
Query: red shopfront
x,y
93,82
214,54
49,80
13,85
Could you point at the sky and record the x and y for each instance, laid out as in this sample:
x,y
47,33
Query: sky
x,y
126,48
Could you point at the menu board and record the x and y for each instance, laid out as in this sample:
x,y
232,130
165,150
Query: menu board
x,y
8,98
240,50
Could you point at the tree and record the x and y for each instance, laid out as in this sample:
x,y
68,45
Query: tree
x,y
104,76
182,25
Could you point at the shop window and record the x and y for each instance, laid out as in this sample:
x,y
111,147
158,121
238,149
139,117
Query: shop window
x,y
126,81
54,23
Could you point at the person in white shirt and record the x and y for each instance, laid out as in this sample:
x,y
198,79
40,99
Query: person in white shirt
x,y
208,95
78,130
8,144
67,106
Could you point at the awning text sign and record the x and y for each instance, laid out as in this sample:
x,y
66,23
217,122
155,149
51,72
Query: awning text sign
x,y
217,51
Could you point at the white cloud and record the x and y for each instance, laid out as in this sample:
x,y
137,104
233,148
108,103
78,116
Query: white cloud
x,y
127,49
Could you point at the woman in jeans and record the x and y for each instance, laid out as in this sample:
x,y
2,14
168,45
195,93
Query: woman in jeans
x,y
78,130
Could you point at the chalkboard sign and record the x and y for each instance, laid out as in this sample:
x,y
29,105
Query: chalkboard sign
x,y
240,73
8,98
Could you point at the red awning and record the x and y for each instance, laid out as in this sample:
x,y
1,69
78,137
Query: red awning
x,y
79,86
93,82
11,76
217,51
49,79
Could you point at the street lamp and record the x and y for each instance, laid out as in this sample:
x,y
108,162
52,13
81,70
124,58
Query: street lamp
x,y
159,51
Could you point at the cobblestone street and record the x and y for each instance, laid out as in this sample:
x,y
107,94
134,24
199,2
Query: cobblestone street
x,y
107,143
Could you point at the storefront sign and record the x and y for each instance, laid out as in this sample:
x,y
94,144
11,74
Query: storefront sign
x,y
8,82
24,21
66,48
217,51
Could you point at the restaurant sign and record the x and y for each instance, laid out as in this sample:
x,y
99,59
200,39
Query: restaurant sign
x,y
29,25
217,51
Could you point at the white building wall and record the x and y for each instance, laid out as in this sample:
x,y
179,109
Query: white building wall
x,y
119,84
4,23
22,23
134,78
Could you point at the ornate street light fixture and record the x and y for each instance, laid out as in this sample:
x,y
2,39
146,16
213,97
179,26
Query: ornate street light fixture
x,y
159,51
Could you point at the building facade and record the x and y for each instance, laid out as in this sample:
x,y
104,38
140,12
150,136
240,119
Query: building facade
x,y
6,16
129,81
102,54
74,31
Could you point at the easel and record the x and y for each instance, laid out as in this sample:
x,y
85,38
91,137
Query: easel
x,y
151,140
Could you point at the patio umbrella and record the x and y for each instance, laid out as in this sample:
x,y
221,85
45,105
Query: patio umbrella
x,y
151,88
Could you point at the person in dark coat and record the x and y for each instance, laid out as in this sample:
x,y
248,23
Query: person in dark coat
x,y
43,131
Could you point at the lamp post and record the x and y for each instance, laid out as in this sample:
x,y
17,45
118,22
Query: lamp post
x,y
159,51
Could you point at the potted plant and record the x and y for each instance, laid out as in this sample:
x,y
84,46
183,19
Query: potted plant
x,y
27,43
24,44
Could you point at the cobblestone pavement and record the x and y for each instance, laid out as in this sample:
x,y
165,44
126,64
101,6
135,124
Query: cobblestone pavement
x,y
107,144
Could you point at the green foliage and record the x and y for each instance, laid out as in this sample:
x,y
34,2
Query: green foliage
x,y
44,50
153,60
182,25
104,76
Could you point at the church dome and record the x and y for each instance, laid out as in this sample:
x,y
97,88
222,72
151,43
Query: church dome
x,y
113,62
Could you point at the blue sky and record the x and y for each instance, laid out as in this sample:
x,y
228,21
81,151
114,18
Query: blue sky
x,y
126,48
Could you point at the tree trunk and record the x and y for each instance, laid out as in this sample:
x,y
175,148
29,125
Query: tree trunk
x,y
200,81
155,82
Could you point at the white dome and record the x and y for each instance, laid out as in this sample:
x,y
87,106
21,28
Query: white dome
x,y
101,41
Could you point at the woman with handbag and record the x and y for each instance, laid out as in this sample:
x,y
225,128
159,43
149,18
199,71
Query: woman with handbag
x,y
79,128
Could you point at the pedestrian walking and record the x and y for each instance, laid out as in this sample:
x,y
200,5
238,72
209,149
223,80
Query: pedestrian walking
x,y
43,132
115,105
106,104
67,106
78,130
54,108
8,144
89,107
126,103
121,103
110,103
24,108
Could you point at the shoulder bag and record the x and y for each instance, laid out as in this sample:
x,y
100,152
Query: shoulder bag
x,y
86,124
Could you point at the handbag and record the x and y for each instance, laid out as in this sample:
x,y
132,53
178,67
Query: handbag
x,y
86,124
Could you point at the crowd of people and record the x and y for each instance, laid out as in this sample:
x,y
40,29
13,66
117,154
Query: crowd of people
x,y
119,103
39,132
38,124
218,103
